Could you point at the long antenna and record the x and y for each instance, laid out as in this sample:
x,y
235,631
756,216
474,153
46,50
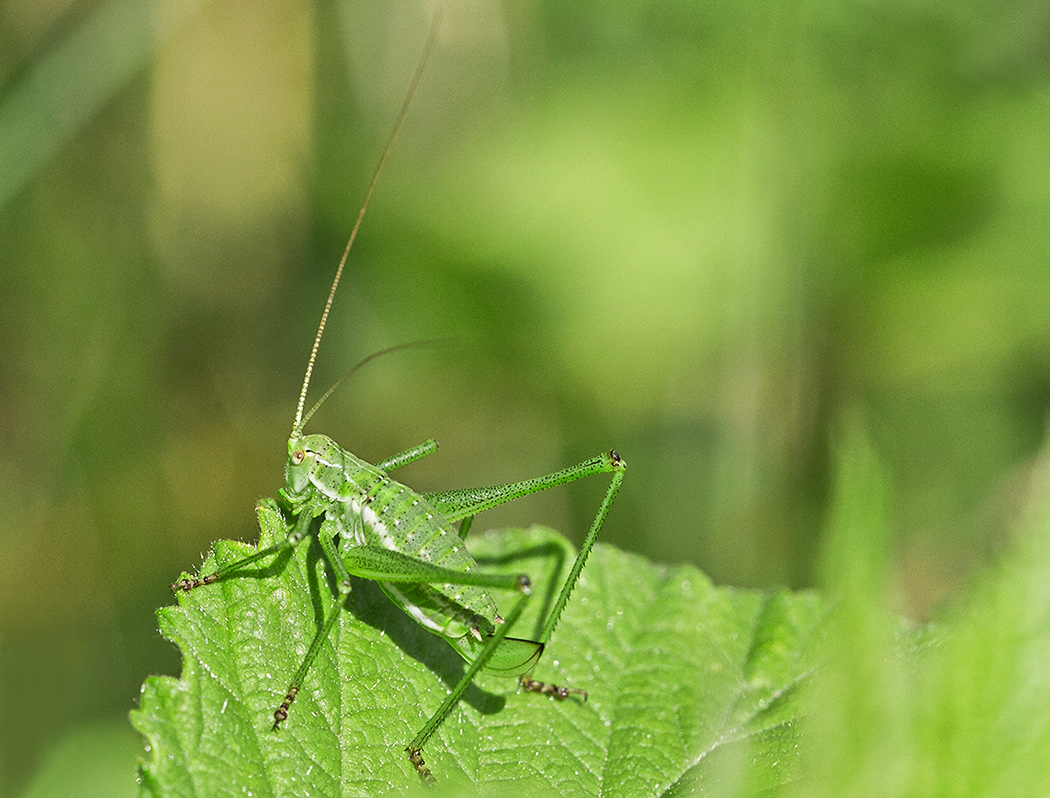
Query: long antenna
x,y
297,427
368,359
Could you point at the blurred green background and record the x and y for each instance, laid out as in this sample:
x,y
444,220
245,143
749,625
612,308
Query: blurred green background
x,y
699,232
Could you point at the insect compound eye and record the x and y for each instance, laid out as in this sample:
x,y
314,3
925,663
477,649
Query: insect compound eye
x,y
298,456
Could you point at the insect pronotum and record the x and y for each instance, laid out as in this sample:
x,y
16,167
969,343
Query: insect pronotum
x,y
370,526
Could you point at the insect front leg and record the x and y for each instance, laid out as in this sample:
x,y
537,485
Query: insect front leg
x,y
326,537
272,526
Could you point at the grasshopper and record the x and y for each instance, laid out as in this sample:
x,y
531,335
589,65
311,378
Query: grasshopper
x,y
370,526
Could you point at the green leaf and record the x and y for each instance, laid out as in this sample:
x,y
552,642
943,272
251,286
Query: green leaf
x,y
690,685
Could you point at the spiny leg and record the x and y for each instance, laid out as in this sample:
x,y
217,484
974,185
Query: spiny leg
x,y
408,456
618,466
325,537
281,713
415,748
377,563
527,682
457,504
271,525
386,565
466,503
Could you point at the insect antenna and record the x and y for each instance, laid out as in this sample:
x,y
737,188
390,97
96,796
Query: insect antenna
x,y
368,359
297,426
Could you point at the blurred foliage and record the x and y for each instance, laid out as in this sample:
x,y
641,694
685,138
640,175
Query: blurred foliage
x,y
698,232
957,707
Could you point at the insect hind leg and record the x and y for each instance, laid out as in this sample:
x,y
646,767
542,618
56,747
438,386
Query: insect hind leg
x,y
415,748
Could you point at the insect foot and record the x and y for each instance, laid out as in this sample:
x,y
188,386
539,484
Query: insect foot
x,y
415,756
189,583
545,688
281,713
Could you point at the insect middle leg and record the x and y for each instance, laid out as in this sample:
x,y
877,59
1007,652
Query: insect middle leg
x,y
408,456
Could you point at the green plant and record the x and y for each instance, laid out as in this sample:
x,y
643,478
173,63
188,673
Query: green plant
x,y
686,682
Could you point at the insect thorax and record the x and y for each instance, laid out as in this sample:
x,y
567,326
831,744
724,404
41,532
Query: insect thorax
x,y
367,507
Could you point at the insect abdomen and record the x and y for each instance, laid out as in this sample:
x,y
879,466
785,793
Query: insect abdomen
x,y
378,510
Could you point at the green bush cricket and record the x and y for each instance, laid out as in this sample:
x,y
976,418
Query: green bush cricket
x,y
370,526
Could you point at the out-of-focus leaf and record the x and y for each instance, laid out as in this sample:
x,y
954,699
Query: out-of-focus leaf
x,y
61,92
